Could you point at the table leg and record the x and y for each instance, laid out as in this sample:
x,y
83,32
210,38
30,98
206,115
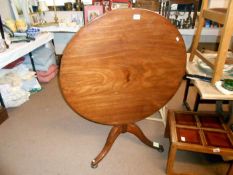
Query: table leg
x,y
134,129
115,132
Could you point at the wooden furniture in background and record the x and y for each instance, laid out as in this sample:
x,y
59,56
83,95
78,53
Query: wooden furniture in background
x,y
195,4
206,92
148,4
117,71
108,4
202,132
221,16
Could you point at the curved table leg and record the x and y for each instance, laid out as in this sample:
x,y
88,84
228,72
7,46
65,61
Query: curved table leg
x,y
115,132
134,129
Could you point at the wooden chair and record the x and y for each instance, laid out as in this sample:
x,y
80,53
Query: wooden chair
x,y
202,132
221,16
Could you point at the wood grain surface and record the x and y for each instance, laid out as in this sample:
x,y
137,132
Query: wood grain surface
x,y
118,70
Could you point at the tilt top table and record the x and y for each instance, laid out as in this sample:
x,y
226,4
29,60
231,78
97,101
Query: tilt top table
x,y
121,68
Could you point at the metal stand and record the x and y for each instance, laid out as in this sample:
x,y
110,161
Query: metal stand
x,y
32,62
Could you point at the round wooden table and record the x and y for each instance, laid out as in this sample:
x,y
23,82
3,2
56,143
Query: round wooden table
x,y
121,68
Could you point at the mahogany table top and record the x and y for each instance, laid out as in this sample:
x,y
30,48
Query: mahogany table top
x,y
123,66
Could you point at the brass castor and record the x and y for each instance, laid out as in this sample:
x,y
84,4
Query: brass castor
x,y
160,149
93,165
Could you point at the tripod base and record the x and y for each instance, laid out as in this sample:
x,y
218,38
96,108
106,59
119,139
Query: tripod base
x,y
115,132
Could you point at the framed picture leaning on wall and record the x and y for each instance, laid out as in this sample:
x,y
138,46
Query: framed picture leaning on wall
x,y
91,12
35,19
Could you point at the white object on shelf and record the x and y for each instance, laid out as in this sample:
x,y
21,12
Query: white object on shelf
x,y
66,17
57,2
18,50
60,29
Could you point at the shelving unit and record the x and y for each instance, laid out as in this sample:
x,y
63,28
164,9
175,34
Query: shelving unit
x,y
208,35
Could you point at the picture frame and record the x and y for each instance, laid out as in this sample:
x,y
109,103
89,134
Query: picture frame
x,y
116,5
91,12
35,19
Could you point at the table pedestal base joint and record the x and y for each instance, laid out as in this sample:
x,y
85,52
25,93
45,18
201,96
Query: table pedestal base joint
x,y
115,132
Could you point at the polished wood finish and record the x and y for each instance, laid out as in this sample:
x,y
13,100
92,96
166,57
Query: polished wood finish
x,y
206,124
215,15
222,16
118,70
148,4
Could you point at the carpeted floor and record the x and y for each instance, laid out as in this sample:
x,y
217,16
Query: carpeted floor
x,y
45,137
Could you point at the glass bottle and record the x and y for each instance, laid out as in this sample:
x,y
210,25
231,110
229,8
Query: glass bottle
x,y
78,5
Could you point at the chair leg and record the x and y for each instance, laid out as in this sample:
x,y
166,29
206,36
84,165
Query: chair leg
x,y
195,12
167,128
223,47
171,159
197,37
201,22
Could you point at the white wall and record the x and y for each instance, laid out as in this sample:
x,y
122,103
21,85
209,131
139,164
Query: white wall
x,y
5,9
218,3
6,12
58,2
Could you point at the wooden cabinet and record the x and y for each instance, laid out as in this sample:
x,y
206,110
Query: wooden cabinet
x,y
148,4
